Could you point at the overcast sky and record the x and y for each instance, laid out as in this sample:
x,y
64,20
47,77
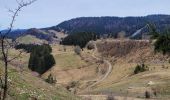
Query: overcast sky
x,y
45,13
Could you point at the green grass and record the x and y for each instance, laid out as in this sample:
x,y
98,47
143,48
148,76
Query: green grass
x,y
69,60
28,39
24,86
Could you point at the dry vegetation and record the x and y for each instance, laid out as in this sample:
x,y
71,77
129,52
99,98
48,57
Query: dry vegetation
x,y
125,55
26,85
84,70
72,67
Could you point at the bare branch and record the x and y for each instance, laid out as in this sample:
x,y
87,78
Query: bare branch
x,y
6,45
15,14
11,11
16,56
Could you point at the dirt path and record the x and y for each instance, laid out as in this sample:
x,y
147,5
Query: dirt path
x,y
107,73
105,61
105,76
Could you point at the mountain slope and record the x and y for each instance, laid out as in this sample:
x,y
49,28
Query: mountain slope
x,y
35,35
107,25
125,55
26,85
99,25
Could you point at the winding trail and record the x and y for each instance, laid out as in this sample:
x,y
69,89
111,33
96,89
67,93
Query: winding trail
x,y
105,76
107,73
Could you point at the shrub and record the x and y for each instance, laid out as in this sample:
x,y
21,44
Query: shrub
x,y
77,50
72,85
140,68
51,79
155,93
90,46
110,97
147,95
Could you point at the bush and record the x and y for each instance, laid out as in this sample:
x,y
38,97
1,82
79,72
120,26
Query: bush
x,y
147,95
72,85
140,68
90,46
77,50
110,97
51,79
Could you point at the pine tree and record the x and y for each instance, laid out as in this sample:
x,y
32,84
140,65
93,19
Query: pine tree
x,y
162,44
153,32
80,39
40,59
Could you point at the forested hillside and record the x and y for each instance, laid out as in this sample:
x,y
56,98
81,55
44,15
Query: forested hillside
x,y
112,25
98,25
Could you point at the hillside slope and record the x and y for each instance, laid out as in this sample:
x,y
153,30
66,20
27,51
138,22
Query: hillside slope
x,y
35,35
99,25
113,25
27,85
84,73
125,55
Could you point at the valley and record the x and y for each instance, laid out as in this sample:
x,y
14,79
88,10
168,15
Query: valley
x,y
106,70
117,77
84,50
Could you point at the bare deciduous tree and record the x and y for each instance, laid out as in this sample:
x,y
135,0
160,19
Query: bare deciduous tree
x,y
6,44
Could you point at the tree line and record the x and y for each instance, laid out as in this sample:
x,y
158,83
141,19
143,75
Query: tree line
x,y
79,39
26,47
111,25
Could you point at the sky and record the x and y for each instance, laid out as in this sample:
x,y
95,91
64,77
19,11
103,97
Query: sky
x,y
46,13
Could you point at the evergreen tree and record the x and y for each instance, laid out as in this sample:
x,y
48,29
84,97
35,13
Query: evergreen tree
x,y
80,39
140,68
41,59
162,44
153,32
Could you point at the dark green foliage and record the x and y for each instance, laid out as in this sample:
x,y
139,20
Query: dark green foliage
x,y
41,59
80,39
162,43
27,47
107,25
51,79
153,32
140,68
